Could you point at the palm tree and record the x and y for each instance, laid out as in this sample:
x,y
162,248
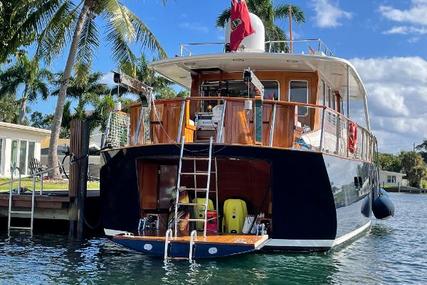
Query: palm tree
x,y
265,10
122,28
86,90
30,76
8,108
422,148
103,107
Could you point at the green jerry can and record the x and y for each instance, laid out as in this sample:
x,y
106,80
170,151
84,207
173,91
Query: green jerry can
x,y
199,211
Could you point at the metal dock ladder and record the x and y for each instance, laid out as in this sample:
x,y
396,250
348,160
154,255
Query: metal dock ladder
x,y
26,214
206,190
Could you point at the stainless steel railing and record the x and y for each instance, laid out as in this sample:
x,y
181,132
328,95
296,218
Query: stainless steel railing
x,y
301,46
33,177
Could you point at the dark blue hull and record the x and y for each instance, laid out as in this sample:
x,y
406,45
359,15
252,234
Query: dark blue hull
x,y
318,200
180,250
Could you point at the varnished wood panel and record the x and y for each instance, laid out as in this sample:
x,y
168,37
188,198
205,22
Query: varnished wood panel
x,y
284,127
148,185
165,130
245,179
237,126
267,117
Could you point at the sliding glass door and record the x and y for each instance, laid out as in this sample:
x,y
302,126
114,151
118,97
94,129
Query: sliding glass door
x,y
1,156
22,152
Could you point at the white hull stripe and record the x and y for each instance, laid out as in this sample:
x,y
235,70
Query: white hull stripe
x,y
109,232
321,243
352,234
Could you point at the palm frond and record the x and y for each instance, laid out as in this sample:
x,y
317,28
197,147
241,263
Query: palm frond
x,y
41,88
119,17
9,86
39,13
82,72
26,20
145,36
223,18
89,41
57,33
282,11
46,74
121,50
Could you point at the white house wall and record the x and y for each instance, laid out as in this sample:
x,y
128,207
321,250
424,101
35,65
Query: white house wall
x,y
9,133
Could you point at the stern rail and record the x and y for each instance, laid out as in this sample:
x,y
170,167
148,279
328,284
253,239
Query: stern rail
x,y
327,131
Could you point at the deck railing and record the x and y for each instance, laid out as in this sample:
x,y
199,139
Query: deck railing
x,y
302,46
277,125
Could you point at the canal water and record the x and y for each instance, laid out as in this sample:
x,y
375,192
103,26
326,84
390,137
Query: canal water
x,y
393,252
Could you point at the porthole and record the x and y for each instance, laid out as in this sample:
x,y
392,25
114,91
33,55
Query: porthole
x,y
213,250
148,246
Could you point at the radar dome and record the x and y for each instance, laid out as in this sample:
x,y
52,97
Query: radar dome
x,y
254,42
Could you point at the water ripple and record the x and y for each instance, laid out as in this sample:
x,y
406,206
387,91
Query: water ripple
x,y
393,252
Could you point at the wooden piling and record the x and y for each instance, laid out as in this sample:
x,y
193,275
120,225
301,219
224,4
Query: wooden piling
x,y
79,147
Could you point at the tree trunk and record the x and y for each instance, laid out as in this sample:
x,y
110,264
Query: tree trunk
x,y
57,119
23,109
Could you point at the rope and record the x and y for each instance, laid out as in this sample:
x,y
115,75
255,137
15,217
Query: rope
x,y
97,225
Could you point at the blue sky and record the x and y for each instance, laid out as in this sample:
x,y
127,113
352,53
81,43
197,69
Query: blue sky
x,y
386,41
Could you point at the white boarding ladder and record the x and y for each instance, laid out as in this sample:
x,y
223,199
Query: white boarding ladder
x,y
206,190
27,213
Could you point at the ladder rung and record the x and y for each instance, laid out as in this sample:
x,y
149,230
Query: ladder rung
x,y
195,173
195,158
193,220
197,220
20,228
21,212
191,204
193,189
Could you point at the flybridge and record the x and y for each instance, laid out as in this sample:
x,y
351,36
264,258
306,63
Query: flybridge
x,y
301,47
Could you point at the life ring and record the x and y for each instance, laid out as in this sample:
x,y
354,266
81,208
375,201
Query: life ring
x,y
352,137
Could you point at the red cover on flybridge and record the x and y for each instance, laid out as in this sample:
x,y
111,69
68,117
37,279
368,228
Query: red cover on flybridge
x,y
241,26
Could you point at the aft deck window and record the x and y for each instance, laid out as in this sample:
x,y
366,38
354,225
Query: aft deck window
x,y
298,92
324,92
237,88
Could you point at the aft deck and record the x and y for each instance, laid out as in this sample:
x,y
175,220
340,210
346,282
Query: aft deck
x,y
246,240
324,129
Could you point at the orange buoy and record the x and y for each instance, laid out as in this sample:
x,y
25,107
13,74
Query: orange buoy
x,y
352,137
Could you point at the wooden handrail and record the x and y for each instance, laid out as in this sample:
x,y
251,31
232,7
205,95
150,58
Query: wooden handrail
x,y
322,108
240,99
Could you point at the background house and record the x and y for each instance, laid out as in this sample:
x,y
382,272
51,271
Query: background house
x,y
392,179
63,147
18,146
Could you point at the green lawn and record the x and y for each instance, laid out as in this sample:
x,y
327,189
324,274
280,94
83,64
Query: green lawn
x,y
47,185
